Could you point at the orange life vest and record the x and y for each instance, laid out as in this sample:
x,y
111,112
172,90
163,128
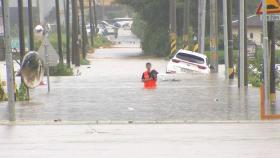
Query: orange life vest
x,y
149,84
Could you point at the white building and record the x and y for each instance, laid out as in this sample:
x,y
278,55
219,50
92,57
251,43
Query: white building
x,y
254,29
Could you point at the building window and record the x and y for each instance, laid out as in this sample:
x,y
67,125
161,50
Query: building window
x,y
251,35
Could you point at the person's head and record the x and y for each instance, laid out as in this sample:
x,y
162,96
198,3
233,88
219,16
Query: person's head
x,y
148,66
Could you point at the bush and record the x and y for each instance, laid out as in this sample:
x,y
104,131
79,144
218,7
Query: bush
x,y
84,62
3,96
100,41
61,70
22,94
37,43
53,41
156,41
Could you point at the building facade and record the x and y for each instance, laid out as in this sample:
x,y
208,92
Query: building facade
x,y
254,29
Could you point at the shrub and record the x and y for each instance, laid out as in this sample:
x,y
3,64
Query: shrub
x,y
22,94
100,41
61,70
84,62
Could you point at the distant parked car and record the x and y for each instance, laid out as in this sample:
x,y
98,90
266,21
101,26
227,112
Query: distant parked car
x,y
88,29
100,28
277,70
277,67
188,61
125,23
110,29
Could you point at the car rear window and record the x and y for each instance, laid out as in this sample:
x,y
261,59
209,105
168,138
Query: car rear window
x,y
190,58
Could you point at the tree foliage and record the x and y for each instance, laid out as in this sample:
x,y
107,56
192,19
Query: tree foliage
x,y
152,21
152,24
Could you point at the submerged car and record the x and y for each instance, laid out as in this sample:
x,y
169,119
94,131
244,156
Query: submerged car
x,y
187,61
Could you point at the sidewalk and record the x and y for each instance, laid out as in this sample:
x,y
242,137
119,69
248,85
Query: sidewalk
x,y
225,140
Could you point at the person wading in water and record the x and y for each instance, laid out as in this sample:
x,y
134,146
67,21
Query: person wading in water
x,y
149,77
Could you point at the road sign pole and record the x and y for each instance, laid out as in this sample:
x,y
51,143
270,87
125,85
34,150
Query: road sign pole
x,y
9,63
266,58
225,20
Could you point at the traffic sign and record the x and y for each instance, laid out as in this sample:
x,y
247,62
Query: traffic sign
x,y
273,6
272,17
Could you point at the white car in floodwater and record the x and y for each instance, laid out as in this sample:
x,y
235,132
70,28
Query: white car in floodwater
x,y
187,61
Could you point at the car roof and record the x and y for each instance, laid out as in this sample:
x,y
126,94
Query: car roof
x,y
105,22
192,53
122,18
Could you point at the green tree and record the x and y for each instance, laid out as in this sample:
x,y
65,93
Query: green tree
x,y
154,15
151,24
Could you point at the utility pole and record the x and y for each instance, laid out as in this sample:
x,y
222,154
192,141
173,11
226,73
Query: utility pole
x,y
67,22
225,21
242,82
186,24
9,62
173,27
75,30
214,36
30,18
21,39
92,32
266,57
83,32
271,42
201,25
21,30
59,40
230,40
95,17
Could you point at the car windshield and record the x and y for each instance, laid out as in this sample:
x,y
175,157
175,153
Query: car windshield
x,y
190,58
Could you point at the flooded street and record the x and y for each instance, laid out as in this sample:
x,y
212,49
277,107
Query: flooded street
x,y
110,89
140,95
251,140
